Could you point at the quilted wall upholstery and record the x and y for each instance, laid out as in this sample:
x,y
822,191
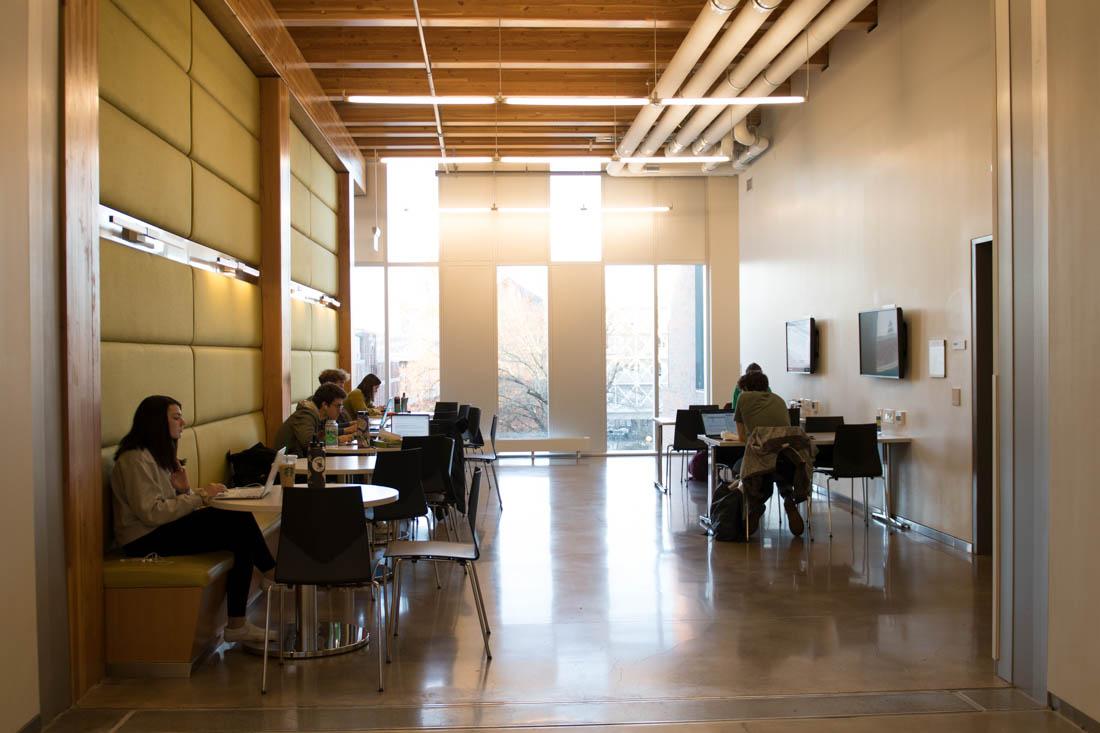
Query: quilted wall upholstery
x,y
194,335
179,125
179,148
313,202
313,344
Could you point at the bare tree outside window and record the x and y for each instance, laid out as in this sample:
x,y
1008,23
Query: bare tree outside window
x,y
523,380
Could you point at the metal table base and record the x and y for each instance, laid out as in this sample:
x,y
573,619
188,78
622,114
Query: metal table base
x,y
328,638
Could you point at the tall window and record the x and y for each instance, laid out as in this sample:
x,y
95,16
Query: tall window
x,y
414,335
628,294
368,333
576,216
523,380
681,341
412,212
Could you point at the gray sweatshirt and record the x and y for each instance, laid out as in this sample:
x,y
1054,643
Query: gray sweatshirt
x,y
144,497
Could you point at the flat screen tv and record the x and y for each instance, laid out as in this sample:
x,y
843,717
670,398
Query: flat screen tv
x,y
882,343
802,346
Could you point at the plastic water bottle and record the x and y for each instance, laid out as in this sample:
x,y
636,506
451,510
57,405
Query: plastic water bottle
x,y
332,432
316,466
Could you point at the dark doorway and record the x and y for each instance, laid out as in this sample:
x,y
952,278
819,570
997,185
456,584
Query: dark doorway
x,y
981,304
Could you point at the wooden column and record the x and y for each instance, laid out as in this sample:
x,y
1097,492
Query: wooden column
x,y
83,490
345,253
275,252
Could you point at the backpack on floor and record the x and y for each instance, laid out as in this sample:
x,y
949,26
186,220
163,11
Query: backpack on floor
x,y
727,513
697,466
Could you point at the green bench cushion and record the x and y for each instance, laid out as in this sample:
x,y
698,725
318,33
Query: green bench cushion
x,y
181,571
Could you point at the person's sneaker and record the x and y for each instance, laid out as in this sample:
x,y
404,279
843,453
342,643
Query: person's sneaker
x,y
754,519
794,519
247,632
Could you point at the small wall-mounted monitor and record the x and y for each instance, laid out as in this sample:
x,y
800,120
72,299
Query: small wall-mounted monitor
x,y
882,343
802,346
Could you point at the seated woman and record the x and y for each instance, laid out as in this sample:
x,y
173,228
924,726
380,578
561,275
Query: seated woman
x,y
362,397
156,511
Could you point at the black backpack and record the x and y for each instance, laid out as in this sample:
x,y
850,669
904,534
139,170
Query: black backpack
x,y
727,514
250,466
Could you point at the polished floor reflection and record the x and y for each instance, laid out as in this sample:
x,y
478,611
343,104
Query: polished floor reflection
x,y
602,592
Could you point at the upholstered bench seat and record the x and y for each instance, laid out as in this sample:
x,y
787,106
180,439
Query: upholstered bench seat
x,y
165,616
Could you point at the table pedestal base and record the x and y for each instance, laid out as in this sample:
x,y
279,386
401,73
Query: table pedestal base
x,y
331,639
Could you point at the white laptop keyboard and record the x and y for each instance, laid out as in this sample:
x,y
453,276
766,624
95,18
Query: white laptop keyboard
x,y
245,492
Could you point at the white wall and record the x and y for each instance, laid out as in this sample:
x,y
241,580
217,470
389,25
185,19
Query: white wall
x,y
1074,228
723,257
24,236
869,196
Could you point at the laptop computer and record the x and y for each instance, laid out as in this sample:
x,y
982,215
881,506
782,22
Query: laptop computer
x,y
715,423
257,492
409,425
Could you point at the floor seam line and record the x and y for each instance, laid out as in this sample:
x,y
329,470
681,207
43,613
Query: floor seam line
x,y
966,698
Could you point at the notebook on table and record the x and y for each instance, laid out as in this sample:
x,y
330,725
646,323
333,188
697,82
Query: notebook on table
x,y
257,492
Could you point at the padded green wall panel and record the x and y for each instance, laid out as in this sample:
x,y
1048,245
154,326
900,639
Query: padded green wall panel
x,y
303,380
324,327
142,175
299,205
145,298
132,372
324,275
322,360
322,179
139,78
167,22
322,224
301,325
300,152
301,258
224,218
222,73
228,382
227,311
216,438
222,145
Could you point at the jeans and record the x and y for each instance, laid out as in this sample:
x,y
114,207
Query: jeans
x,y
213,530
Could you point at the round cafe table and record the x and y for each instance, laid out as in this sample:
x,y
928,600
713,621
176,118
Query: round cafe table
x,y
341,465
307,637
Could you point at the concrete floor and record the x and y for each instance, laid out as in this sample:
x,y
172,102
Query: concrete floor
x,y
608,606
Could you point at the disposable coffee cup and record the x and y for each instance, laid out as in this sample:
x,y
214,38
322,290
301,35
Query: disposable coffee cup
x,y
286,471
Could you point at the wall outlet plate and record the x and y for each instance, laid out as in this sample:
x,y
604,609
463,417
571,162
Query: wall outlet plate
x,y
899,417
888,416
958,345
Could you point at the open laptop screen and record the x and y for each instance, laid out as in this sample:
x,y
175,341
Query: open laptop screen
x,y
409,425
717,422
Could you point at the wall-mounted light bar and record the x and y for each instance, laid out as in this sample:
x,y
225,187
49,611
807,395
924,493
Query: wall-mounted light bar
x,y
311,295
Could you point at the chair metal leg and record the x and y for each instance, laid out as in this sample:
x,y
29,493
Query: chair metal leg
x,y
267,625
481,600
398,571
866,506
379,633
282,627
496,483
475,587
829,507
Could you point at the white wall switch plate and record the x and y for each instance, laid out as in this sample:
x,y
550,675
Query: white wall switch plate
x,y
956,397
958,345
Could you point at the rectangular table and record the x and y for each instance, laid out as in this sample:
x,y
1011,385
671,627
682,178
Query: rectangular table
x,y
887,441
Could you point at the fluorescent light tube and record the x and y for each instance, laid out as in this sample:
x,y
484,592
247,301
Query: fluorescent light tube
x,y
420,99
579,101
726,101
636,209
554,159
676,159
440,160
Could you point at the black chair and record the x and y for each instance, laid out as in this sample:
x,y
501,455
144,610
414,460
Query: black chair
x,y
704,408
337,557
442,426
463,410
437,454
855,455
400,469
685,439
824,424
465,554
489,459
445,408
472,436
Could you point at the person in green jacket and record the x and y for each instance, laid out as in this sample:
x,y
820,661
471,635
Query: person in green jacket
x,y
308,420
753,367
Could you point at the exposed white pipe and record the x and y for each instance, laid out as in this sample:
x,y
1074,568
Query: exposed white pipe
x,y
739,32
431,79
742,133
820,32
702,32
794,19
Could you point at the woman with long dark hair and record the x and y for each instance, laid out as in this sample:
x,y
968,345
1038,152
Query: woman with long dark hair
x,y
156,510
362,397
